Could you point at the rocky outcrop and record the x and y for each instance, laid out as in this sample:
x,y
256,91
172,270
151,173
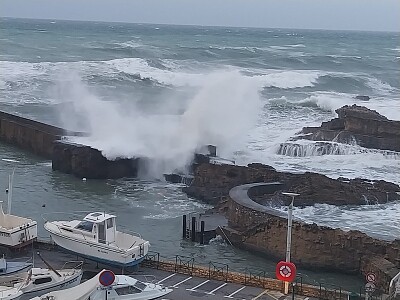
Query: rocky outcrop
x,y
213,182
357,124
247,196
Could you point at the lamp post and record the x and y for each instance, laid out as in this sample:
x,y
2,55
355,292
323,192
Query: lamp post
x,y
289,232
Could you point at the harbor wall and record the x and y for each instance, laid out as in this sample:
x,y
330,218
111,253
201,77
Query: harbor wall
x,y
313,246
49,142
29,135
86,162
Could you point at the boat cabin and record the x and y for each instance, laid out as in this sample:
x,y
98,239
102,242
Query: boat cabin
x,y
101,225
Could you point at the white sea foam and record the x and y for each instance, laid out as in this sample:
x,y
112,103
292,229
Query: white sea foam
x,y
215,115
379,221
296,45
379,85
289,79
130,44
330,101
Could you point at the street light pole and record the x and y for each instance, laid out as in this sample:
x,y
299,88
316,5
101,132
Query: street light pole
x,y
289,233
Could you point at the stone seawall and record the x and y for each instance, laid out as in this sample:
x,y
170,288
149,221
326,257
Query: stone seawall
x,y
49,142
86,162
30,135
262,229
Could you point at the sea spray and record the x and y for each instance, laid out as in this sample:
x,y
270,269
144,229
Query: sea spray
x,y
220,112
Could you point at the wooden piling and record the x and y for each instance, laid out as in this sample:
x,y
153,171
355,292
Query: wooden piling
x,y
193,233
184,227
202,232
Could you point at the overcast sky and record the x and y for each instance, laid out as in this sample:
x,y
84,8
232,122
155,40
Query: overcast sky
x,y
379,15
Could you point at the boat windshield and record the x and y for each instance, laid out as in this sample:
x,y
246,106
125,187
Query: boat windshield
x,y
127,290
85,225
140,285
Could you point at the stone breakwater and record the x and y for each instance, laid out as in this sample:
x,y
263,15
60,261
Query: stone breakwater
x,y
247,195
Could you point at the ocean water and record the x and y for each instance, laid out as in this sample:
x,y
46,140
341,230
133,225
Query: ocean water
x,y
162,91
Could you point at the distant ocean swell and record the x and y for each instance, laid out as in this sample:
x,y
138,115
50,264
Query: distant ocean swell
x,y
171,73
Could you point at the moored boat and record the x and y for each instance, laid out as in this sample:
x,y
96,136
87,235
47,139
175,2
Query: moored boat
x,y
15,231
96,237
10,268
40,281
9,293
107,285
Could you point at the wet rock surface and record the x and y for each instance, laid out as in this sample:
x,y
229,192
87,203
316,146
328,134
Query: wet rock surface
x,y
213,182
357,124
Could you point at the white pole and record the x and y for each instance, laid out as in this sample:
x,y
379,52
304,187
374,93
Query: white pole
x,y
10,184
289,234
289,231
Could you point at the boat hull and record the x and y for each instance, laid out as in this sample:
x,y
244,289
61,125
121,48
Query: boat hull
x,y
95,251
19,236
69,282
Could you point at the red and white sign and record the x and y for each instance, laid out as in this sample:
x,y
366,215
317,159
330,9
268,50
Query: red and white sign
x,y
286,271
370,277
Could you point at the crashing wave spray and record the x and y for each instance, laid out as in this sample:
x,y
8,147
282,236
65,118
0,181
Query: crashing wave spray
x,y
221,112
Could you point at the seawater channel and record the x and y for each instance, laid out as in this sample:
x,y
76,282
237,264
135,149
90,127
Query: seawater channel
x,y
152,208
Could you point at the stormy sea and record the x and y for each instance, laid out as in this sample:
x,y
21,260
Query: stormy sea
x,y
163,91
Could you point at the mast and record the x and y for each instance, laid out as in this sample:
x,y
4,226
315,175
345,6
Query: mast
x,y
9,191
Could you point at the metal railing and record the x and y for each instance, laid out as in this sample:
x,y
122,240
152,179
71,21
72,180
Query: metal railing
x,y
219,271
184,264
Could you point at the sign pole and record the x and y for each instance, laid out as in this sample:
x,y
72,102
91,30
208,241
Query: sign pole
x,y
289,234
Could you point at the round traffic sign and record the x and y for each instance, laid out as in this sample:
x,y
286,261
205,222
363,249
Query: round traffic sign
x,y
286,271
370,277
106,278
369,287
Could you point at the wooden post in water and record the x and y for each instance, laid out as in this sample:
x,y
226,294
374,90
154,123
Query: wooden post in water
x,y
184,227
202,232
193,229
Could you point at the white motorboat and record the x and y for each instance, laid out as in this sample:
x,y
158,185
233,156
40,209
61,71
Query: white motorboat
x,y
105,285
97,238
9,293
15,231
9,268
40,281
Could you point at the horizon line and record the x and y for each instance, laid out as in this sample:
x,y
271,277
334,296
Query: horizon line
x,y
201,25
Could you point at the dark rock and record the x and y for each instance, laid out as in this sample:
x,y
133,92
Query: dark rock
x,y
357,124
211,182
362,98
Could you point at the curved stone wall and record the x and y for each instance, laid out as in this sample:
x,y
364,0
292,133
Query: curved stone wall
x,y
263,229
